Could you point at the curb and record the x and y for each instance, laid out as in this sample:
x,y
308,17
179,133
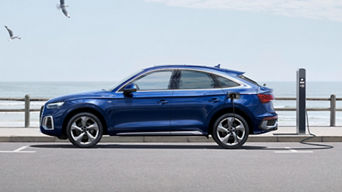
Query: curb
x,y
175,139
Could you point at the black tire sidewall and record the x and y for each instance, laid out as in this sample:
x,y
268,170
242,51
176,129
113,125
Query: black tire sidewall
x,y
217,140
73,118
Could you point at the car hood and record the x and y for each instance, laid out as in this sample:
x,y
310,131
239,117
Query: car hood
x,y
85,95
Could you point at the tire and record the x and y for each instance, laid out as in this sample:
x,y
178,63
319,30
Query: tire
x,y
84,130
230,131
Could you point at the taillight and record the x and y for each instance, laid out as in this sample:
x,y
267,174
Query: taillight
x,y
264,98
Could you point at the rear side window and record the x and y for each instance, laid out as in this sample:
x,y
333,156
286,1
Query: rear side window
x,y
225,83
195,80
249,80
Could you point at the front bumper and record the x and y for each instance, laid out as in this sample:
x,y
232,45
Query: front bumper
x,y
47,123
50,122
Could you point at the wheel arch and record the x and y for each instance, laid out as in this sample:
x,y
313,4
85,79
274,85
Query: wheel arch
x,y
88,109
230,110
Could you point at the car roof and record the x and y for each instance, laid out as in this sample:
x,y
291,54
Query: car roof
x,y
199,67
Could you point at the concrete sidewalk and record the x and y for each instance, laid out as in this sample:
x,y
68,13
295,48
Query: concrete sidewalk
x,y
283,134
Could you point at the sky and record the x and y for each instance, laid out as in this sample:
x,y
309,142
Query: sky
x,y
108,40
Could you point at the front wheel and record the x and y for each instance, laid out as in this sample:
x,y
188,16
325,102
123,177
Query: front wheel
x,y
230,131
84,130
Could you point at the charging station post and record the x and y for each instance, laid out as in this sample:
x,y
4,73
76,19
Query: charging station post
x,y
301,101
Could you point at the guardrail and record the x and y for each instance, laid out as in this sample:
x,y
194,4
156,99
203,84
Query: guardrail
x,y
27,109
332,107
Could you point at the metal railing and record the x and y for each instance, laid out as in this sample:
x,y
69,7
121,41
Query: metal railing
x,y
332,107
27,109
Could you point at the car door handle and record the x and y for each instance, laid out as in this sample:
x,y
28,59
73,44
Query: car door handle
x,y
214,100
163,102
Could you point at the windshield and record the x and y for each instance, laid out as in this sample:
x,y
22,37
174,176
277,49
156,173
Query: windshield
x,y
124,79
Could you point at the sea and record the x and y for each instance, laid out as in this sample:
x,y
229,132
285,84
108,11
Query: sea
x,y
54,89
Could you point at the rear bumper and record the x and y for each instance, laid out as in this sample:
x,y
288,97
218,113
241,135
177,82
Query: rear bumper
x,y
269,124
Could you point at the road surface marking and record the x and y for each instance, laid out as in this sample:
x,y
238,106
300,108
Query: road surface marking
x,y
19,150
290,150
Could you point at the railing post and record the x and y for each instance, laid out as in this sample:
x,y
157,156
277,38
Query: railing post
x,y
332,110
27,111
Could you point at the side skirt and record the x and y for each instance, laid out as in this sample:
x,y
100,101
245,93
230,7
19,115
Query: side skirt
x,y
166,133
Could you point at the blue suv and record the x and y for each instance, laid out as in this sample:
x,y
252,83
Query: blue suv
x,y
181,100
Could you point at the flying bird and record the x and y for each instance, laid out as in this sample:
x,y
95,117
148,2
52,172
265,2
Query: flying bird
x,y
63,7
10,32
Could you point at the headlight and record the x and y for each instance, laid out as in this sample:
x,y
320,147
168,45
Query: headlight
x,y
54,105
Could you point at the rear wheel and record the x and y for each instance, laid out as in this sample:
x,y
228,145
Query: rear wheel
x,y
84,130
230,131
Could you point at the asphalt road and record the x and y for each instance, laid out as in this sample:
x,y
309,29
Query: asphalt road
x,y
170,167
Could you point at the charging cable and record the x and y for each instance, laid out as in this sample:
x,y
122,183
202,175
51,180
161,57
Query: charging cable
x,y
232,96
307,124
305,141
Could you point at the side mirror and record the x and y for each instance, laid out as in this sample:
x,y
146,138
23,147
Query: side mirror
x,y
129,89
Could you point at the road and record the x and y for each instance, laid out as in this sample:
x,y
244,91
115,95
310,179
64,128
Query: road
x,y
170,167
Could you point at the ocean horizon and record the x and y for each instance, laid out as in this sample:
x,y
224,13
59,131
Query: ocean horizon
x,y
52,89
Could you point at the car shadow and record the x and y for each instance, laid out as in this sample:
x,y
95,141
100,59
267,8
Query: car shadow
x,y
131,146
310,146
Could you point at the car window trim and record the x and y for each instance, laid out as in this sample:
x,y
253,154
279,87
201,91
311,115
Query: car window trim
x,y
240,83
217,84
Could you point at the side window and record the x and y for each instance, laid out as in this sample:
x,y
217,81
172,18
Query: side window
x,y
249,80
154,81
195,80
225,83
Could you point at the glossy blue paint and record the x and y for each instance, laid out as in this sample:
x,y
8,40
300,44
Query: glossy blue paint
x,y
190,108
143,111
164,110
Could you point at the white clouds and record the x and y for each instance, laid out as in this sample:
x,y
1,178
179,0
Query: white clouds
x,y
316,9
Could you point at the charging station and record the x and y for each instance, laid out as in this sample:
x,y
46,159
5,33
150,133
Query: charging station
x,y
301,101
300,104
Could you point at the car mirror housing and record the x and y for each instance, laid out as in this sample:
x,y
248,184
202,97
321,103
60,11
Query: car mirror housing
x,y
129,89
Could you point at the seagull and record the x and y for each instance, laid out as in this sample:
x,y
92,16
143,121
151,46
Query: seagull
x,y
63,7
10,32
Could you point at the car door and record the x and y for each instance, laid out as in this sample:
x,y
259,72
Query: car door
x,y
145,110
193,100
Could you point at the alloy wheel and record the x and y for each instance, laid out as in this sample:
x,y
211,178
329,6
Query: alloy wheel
x,y
84,130
231,131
